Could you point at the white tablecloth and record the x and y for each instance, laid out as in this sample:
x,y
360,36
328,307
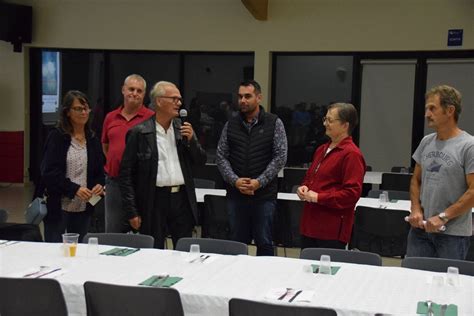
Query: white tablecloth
x,y
207,287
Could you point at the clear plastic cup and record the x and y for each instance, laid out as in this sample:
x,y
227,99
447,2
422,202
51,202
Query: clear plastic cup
x,y
70,244
93,247
325,265
453,276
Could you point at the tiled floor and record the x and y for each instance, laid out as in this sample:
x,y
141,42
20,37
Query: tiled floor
x,y
15,198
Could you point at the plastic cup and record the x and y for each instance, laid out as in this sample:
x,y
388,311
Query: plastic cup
x,y
70,244
325,265
453,276
383,198
93,247
195,249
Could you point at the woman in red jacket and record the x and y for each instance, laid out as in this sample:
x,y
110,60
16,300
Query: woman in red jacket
x,y
333,184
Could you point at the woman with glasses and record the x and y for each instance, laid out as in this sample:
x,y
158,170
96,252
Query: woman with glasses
x,y
72,170
333,184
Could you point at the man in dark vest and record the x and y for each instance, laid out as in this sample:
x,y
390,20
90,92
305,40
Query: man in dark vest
x,y
251,151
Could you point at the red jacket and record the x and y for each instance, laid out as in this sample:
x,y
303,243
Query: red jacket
x,y
338,179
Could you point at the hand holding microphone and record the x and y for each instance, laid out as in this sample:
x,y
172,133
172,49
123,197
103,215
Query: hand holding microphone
x,y
186,128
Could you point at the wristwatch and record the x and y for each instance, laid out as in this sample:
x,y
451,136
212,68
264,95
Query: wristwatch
x,y
443,217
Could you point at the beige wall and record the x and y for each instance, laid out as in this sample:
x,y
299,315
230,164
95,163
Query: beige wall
x,y
225,25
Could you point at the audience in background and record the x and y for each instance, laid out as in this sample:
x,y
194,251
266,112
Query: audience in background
x,y
333,183
251,150
442,186
72,170
116,125
156,178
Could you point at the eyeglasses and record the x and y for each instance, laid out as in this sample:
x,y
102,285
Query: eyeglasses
x,y
80,109
175,100
329,120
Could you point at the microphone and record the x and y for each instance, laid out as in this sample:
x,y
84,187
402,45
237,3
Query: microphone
x,y
183,115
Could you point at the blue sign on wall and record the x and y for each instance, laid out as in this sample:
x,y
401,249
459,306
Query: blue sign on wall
x,y
455,37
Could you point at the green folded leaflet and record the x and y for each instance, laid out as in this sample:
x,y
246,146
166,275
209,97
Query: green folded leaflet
x,y
422,308
161,281
121,252
316,269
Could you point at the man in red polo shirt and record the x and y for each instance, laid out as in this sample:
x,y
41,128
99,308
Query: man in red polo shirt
x,y
116,125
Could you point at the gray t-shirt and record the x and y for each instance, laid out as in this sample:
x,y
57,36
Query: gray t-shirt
x,y
444,166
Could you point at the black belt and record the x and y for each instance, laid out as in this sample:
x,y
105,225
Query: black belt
x,y
171,189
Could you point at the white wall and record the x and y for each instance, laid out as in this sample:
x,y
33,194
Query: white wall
x,y
225,25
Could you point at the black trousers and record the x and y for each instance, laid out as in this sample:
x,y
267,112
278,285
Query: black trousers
x,y
308,242
173,216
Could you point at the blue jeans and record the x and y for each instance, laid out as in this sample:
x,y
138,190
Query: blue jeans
x,y
251,219
422,244
115,220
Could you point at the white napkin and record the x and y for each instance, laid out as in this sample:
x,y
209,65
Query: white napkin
x,y
276,294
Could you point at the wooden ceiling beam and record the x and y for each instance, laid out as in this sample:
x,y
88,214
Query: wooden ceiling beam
x,y
258,8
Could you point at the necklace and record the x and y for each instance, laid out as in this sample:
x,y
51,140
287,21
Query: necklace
x,y
80,138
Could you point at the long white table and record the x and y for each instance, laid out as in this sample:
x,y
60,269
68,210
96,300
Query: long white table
x,y
370,202
207,287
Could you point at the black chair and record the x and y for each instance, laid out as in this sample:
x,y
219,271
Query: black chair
x,y
39,297
215,219
241,307
207,245
340,255
204,183
286,224
470,252
3,216
438,264
119,300
392,194
24,232
292,177
399,169
210,172
396,181
380,231
122,240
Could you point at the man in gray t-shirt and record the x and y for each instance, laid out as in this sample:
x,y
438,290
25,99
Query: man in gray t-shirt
x,y
442,186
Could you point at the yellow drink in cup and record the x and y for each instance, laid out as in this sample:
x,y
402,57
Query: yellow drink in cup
x,y
70,244
72,250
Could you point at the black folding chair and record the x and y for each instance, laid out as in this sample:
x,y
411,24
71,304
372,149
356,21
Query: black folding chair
x,y
380,231
122,240
341,255
215,219
39,297
286,224
241,307
396,181
208,245
292,177
119,300
438,264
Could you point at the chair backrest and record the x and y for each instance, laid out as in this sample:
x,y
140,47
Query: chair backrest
x,y
204,183
438,264
39,297
381,231
286,223
215,219
120,300
3,215
396,181
292,177
392,194
241,307
340,255
224,247
401,168
210,172
122,240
